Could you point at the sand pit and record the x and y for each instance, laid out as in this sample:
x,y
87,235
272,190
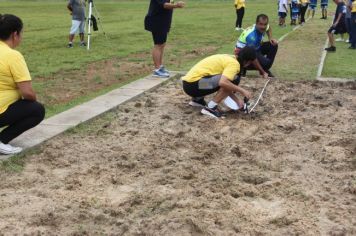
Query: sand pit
x,y
157,167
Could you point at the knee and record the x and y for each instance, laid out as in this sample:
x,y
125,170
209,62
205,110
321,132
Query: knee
x,y
38,111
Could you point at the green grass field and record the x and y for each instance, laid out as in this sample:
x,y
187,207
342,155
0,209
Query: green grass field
x,y
201,29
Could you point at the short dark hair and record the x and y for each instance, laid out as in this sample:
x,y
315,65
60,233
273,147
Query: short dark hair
x,y
246,54
8,25
261,17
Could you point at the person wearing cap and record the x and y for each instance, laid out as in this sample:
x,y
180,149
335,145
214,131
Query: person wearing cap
x,y
266,51
217,74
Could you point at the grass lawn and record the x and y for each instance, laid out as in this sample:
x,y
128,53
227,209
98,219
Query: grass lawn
x,y
340,64
65,77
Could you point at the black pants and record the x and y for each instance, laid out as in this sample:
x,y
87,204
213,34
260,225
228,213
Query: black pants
x,y
265,56
303,10
240,15
20,116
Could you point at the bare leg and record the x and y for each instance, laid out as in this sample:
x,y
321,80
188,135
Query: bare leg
x,y
81,35
71,38
157,54
331,39
221,95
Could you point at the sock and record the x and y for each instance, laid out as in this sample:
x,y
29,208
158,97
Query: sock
x,y
212,104
70,43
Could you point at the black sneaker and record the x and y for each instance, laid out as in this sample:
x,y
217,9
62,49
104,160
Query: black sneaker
x,y
212,112
270,74
331,49
70,45
243,72
198,102
83,44
351,47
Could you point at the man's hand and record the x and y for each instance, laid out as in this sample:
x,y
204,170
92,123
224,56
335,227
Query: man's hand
x,y
265,75
335,24
246,93
180,4
273,42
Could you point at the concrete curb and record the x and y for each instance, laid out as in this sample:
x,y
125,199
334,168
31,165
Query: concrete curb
x,y
61,122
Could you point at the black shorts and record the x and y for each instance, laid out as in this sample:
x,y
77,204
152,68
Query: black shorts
x,y
282,15
339,29
159,37
205,86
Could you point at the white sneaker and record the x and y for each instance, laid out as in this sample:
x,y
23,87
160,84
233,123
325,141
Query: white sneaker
x,y
339,40
237,29
7,149
347,41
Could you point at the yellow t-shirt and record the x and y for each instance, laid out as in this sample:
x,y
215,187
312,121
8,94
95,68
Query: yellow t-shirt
x,y
13,69
224,64
353,7
239,3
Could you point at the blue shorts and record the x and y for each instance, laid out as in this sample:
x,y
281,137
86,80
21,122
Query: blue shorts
x,y
324,6
312,7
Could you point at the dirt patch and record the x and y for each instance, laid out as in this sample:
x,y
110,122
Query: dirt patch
x,y
155,166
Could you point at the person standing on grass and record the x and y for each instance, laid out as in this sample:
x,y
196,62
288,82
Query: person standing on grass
x,y
294,12
312,7
324,9
266,51
19,110
303,9
217,74
158,22
338,26
240,12
77,10
348,19
282,12
352,6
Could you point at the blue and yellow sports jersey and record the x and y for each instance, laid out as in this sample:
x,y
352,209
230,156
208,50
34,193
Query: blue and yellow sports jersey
x,y
295,6
324,2
251,37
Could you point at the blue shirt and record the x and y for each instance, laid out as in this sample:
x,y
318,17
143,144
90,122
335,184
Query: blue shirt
x,y
313,2
324,2
251,37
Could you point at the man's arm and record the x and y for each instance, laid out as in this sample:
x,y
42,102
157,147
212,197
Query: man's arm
x,y
225,83
258,66
269,34
170,6
337,20
26,90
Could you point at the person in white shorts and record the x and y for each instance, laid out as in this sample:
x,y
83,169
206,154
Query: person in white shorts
x,y
77,9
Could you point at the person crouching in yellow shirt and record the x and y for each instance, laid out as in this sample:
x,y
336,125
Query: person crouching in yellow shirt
x,y
19,110
221,74
240,12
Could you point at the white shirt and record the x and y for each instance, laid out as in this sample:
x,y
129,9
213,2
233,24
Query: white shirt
x,y
281,7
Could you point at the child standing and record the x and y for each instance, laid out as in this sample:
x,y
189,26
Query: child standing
x,y
324,9
282,12
303,9
312,7
338,26
295,11
240,12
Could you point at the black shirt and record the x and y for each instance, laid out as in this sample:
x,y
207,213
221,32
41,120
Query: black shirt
x,y
158,18
341,8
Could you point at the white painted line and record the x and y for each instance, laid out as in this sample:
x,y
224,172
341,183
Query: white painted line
x,y
294,29
343,80
322,60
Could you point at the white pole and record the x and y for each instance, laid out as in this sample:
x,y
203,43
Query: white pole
x,y
89,24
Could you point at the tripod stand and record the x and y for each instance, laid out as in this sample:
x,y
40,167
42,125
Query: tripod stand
x,y
90,21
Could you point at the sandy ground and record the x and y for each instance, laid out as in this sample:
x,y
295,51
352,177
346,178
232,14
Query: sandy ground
x,y
157,167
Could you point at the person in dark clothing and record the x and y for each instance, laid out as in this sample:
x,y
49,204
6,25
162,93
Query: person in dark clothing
x,y
158,21
339,26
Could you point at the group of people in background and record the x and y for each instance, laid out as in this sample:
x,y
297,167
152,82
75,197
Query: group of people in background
x,y
300,10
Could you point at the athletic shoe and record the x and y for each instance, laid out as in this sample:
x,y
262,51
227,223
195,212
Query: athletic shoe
x,y
351,47
7,149
347,41
270,74
70,45
237,28
212,112
331,49
200,102
83,44
339,40
243,72
158,73
163,69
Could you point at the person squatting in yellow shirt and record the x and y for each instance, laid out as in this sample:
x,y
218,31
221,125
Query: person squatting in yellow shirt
x,y
221,74
240,12
19,110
